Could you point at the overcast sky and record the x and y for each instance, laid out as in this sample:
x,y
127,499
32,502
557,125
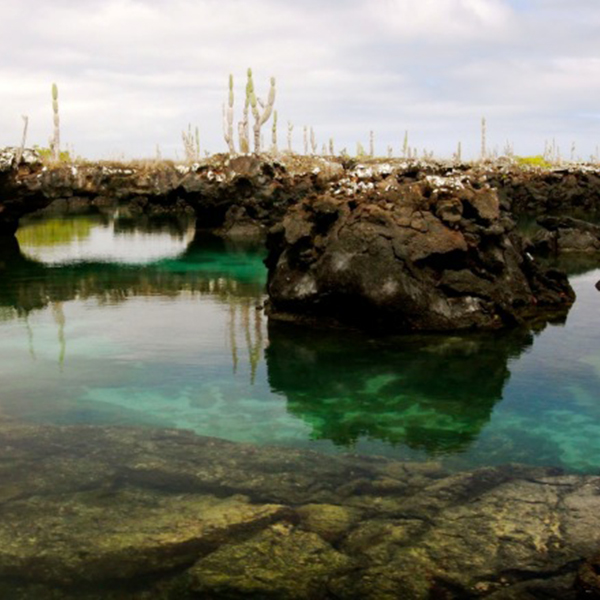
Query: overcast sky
x,y
133,73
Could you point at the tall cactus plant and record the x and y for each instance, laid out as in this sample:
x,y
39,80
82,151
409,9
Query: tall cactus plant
x,y
21,148
228,118
274,146
243,131
483,138
55,142
261,111
290,129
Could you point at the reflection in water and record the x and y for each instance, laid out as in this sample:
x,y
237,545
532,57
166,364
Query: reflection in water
x,y
179,341
50,233
97,238
59,319
207,266
251,321
431,393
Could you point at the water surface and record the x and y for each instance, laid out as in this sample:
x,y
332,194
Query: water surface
x,y
108,321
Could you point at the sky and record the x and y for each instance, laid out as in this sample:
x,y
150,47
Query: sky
x,y
132,74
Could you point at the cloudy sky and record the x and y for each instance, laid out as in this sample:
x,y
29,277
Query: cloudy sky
x,y
133,73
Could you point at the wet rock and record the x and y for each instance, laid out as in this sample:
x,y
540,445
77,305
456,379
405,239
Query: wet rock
x,y
402,260
104,535
167,514
426,556
588,578
329,521
281,562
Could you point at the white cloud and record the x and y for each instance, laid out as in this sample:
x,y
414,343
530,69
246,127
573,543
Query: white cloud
x,y
445,21
134,73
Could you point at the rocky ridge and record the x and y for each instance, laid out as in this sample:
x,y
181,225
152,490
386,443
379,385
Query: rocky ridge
x,y
400,245
384,250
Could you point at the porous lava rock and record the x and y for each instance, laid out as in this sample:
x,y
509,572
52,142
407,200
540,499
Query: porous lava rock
x,y
530,190
566,234
236,196
434,253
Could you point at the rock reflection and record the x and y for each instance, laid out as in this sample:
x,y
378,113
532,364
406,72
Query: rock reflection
x,y
428,392
209,266
98,238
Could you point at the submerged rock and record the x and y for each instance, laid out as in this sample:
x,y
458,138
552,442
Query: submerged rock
x,y
92,513
588,578
434,254
281,562
134,532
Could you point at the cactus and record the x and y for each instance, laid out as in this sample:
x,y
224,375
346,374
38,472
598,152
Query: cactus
x,y
274,148
21,148
55,142
243,133
459,152
331,148
371,144
228,119
260,116
405,147
313,142
305,139
290,129
483,138
244,124
191,144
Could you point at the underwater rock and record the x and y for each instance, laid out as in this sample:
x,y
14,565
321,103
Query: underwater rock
x,y
588,578
107,513
134,532
328,521
281,562
385,255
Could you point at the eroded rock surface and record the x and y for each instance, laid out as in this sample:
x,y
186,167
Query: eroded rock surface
x,y
381,252
561,235
238,196
548,191
90,512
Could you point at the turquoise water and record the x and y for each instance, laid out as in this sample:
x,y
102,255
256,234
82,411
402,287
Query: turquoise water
x,y
111,322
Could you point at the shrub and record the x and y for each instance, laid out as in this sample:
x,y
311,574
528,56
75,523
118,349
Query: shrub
x,y
533,161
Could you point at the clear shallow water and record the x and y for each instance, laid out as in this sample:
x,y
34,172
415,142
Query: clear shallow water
x,y
108,322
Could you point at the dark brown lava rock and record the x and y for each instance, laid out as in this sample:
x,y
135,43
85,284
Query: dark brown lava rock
x,y
436,253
